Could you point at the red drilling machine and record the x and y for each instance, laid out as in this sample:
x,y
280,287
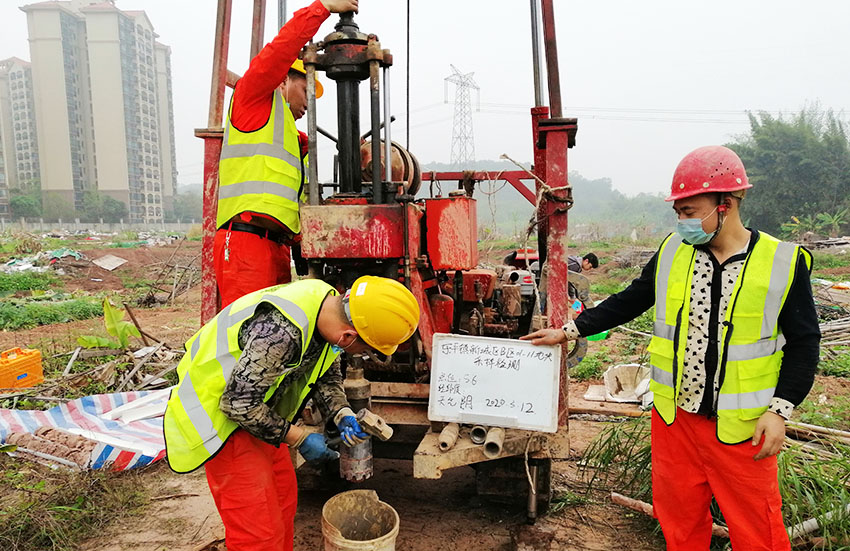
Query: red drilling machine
x,y
370,221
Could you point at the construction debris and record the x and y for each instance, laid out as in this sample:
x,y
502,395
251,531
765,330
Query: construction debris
x,y
109,262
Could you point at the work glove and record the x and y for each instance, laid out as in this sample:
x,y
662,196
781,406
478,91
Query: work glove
x,y
314,448
349,429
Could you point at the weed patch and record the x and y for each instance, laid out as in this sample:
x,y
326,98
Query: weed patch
x,y
620,460
838,365
824,260
607,287
15,316
47,509
27,281
833,414
592,366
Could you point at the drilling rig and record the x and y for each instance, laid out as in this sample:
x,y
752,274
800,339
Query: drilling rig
x,y
368,221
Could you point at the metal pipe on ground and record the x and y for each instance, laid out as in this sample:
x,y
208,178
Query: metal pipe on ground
x,y
493,442
478,434
448,436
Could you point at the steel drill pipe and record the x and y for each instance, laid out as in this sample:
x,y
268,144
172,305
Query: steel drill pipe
x,y
478,434
448,436
493,442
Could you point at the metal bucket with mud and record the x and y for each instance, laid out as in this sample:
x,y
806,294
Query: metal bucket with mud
x,y
358,521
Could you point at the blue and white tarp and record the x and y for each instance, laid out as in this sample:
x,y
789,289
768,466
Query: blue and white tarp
x,y
120,445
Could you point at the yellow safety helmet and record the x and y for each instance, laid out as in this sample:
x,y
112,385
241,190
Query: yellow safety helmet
x,y
383,311
299,66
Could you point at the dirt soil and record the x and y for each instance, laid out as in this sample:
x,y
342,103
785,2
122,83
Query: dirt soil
x,y
441,514
434,514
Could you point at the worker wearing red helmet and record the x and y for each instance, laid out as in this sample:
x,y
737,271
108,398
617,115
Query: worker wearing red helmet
x,y
263,161
734,350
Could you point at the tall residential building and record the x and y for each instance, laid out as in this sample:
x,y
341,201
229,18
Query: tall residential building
x,y
19,162
103,106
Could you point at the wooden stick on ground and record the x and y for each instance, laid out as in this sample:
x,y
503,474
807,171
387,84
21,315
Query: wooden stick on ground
x,y
606,411
136,323
172,496
646,508
136,369
71,361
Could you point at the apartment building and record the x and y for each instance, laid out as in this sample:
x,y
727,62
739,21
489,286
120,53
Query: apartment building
x,y
19,161
102,90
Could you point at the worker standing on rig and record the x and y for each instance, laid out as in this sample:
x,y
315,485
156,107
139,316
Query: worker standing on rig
x,y
263,161
734,350
245,377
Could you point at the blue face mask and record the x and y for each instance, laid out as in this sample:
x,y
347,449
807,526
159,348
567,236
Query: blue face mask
x,y
690,229
336,348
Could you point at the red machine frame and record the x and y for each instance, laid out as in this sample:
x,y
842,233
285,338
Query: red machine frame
x,y
552,136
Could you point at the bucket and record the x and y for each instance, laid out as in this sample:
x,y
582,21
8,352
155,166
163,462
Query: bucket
x,y
358,521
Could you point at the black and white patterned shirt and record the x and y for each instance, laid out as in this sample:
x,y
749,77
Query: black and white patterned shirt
x,y
695,376
700,384
270,343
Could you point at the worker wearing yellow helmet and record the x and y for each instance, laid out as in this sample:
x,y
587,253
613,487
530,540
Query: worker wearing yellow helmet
x,y
263,161
245,377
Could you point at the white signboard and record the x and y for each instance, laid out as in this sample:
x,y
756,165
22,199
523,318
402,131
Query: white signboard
x,y
494,382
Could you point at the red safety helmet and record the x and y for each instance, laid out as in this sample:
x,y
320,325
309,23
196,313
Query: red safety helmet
x,y
709,169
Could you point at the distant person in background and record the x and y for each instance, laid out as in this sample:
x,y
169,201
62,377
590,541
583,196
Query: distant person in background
x,y
584,263
579,264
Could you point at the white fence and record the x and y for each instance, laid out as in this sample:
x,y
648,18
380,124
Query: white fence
x,y
41,225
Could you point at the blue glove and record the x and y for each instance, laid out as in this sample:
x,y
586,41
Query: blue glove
x,y
314,448
349,429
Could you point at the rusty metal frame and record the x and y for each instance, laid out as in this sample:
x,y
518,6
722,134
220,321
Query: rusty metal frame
x,y
513,177
213,135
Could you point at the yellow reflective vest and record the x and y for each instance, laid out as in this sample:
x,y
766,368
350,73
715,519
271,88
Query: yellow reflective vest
x,y
195,428
751,352
262,171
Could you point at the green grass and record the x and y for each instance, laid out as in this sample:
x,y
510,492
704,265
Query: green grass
x,y
27,281
824,260
565,500
15,316
56,510
607,287
592,366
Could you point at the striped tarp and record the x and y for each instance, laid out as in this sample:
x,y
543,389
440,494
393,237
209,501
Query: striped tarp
x,y
120,445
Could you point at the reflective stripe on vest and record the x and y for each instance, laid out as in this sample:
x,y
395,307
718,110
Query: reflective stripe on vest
x,y
261,171
754,353
193,418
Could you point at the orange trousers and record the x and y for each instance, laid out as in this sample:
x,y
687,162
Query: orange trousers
x,y
245,263
689,465
254,488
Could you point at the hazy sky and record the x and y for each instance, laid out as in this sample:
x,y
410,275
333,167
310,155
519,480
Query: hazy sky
x,y
649,81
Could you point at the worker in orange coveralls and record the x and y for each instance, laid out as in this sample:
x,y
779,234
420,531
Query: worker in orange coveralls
x,y
734,350
263,161
244,379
